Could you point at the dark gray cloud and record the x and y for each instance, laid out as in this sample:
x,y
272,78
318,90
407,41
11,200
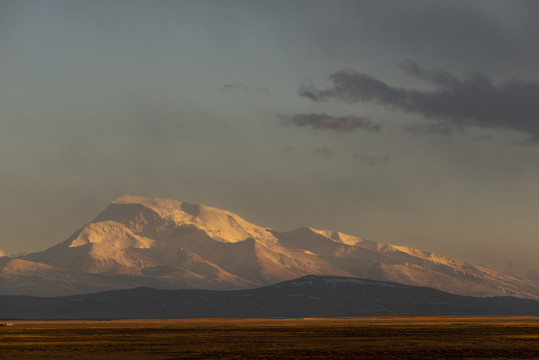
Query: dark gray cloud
x,y
324,121
474,101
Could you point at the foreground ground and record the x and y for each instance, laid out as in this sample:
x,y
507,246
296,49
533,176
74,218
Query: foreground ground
x,y
313,338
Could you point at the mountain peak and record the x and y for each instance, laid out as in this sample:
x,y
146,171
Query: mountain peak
x,y
146,200
221,225
338,236
170,208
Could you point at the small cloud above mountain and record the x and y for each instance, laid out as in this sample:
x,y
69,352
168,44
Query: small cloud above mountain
x,y
234,86
323,152
338,124
369,160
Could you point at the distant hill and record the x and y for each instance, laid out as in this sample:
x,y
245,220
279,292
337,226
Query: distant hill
x,y
159,243
308,296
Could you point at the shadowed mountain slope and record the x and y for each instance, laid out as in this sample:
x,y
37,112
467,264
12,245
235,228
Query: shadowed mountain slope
x,y
307,296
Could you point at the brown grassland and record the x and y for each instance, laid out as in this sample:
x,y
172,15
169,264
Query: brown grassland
x,y
302,338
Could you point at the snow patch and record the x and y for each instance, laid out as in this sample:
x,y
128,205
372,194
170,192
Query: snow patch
x,y
111,233
19,266
338,236
220,224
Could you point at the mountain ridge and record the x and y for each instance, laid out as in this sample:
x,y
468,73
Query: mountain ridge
x,y
309,296
143,241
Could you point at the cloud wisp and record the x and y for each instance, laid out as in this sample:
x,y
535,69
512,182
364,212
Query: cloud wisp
x,y
322,152
439,128
474,101
337,124
372,160
235,86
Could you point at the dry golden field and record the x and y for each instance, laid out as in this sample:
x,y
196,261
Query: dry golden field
x,y
310,338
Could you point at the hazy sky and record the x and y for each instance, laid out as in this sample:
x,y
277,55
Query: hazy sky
x,y
408,122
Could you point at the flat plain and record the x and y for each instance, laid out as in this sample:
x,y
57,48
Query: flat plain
x,y
290,338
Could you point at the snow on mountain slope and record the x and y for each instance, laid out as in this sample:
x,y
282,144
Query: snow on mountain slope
x,y
379,261
19,266
140,241
219,224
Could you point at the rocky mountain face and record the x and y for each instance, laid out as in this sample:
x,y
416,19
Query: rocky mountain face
x,y
139,241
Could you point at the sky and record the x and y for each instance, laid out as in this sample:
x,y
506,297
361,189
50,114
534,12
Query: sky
x,y
407,122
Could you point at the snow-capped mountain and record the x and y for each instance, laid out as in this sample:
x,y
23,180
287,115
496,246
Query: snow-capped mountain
x,y
141,241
